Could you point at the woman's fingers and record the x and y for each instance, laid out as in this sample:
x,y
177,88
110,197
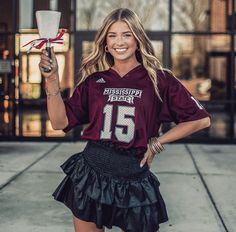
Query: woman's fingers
x,y
45,64
45,60
148,157
49,63
144,160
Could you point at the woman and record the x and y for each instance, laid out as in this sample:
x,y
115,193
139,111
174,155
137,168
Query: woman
x,y
124,96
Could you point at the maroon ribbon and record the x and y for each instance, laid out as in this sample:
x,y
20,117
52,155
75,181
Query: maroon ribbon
x,y
38,43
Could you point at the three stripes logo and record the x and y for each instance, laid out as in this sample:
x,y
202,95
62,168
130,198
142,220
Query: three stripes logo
x,y
101,80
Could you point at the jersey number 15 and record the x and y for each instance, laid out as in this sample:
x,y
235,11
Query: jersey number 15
x,y
124,128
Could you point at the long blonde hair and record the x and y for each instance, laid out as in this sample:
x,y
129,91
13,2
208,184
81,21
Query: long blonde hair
x,y
100,60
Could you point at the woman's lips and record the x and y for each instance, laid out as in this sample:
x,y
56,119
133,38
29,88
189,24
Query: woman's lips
x,y
120,50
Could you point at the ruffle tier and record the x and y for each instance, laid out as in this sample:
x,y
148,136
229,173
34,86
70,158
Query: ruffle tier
x,y
132,205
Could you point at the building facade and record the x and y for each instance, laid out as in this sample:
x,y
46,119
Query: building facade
x,y
193,38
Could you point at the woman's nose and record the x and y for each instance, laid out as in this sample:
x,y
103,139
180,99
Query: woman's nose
x,y
119,40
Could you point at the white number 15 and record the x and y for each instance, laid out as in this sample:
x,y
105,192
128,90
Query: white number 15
x,y
124,129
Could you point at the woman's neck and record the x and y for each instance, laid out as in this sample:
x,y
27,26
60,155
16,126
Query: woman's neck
x,y
124,67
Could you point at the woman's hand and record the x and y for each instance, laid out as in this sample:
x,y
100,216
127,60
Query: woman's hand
x,y
51,64
148,157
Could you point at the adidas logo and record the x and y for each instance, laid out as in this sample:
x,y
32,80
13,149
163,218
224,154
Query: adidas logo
x,y
101,80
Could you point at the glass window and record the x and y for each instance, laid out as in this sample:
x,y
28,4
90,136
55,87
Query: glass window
x,y
26,14
32,124
7,80
202,15
158,49
87,47
153,13
35,122
6,47
200,62
27,9
6,116
53,4
7,84
7,16
219,16
34,72
220,121
190,15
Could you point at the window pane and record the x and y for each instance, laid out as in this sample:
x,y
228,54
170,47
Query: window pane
x,y
27,9
153,13
26,14
34,72
6,116
190,15
7,16
200,62
32,125
30,91
201,15
35,122
158,49
218,18
220,121
6,47
87,47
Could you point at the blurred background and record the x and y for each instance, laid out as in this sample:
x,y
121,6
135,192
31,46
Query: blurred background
x,y
193,38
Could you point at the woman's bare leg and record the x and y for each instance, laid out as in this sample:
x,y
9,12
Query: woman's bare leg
x,y
82,226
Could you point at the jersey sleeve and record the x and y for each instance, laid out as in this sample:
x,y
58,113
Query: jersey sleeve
x,y
178,104
77,107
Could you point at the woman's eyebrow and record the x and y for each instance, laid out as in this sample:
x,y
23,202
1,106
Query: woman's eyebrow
x,y
111,32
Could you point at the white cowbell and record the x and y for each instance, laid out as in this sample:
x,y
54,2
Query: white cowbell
x,y
48,23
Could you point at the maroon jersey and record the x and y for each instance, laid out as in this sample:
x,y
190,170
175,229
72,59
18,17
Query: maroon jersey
x,y
127,111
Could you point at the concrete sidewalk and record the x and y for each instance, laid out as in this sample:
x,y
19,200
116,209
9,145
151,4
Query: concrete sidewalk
x,y
198,183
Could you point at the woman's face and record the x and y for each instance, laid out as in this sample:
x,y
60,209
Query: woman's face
x,y
121,42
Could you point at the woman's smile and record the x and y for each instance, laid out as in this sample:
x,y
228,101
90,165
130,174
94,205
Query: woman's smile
x,y
121,43
121,50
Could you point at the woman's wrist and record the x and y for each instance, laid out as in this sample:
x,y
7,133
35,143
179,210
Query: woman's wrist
x,y
52,78
52,87
52,92
155,145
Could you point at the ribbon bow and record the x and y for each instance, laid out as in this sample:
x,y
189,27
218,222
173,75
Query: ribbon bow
x,y
38,43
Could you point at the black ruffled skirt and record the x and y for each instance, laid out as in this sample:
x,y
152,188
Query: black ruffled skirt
x,y
105,185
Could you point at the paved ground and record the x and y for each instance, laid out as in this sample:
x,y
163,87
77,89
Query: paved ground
x,y
198,183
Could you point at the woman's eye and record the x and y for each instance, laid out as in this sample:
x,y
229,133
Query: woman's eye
x,y
111,36
128,35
